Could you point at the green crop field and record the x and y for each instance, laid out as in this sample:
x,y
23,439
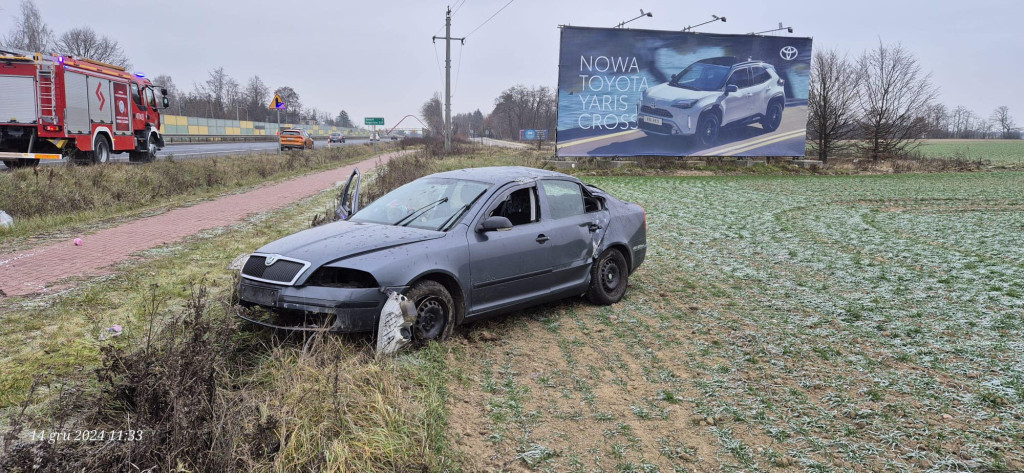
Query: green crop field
x,y
862,323
997,151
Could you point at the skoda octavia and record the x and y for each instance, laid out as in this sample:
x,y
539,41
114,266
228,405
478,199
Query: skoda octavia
x,y
458,245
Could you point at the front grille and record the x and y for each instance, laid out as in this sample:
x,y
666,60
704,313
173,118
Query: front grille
x,y
660,112
283,271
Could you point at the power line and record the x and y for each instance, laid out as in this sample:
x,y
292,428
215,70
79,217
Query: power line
x,y
440,75
458,70
489,19
458,6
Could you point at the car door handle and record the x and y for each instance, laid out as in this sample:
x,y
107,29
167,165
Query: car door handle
x,y
593,227
542,238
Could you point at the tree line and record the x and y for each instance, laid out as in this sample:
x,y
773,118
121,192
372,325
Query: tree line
x,y
219,96
517,108
882,104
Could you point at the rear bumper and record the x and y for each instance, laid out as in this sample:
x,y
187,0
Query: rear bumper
x,y
8,155
314,308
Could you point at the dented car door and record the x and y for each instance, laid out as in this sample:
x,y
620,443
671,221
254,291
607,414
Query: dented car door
x,y
576,233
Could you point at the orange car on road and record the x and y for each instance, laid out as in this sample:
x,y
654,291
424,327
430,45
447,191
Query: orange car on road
x,y
295,138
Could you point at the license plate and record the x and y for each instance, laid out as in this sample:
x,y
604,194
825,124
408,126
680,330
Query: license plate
x,y
652,120
258,295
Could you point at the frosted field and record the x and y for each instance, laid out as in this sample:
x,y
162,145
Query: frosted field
x,y
822,323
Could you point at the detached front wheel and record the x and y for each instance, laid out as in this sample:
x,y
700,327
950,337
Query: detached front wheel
x,y
609,277
435,311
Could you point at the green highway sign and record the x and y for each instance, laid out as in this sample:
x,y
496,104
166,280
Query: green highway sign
x,y
374,121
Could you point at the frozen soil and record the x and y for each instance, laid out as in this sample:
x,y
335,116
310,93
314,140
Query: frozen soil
x,y
815,323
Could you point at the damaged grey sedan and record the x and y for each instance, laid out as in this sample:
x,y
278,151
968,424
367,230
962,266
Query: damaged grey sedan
x,y
446,249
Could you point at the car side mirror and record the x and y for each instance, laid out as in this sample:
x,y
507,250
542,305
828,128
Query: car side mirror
x,y
495,223
166,103
731,89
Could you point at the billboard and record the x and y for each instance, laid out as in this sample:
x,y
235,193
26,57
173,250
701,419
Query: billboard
x,y
625,92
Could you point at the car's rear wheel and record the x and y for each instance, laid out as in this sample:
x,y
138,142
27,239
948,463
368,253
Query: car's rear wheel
x,y
435,311
609,277
707,129
772,117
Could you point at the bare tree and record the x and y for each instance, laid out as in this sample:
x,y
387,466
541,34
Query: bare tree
x,y
430,111
257,98
1004,122
832,103
894,94
520,107
961,122
85,43
216,87
30,32
938,121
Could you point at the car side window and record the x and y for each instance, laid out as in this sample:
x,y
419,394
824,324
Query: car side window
x,y
760,75
565,199
519,207
740,78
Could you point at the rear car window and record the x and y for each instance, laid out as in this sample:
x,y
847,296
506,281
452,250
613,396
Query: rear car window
x,y
291,133
565,198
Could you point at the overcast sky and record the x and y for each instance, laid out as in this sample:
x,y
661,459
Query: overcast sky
x,y
376,58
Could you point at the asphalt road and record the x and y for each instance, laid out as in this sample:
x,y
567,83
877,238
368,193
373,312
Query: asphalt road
x,y
187,151
749,140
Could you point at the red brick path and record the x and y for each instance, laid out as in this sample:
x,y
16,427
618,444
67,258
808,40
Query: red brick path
x,y
30,271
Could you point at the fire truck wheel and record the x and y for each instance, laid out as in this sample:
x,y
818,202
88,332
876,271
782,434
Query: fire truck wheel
x,y
147,156
101,151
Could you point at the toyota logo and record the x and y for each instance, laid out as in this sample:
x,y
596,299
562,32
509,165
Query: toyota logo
x,y
788,53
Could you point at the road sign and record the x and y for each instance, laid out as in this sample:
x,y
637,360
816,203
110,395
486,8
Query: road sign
x,y
374,121
531,135
277,103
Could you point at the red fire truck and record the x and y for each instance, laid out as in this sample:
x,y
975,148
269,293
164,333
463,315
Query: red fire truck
x,y
54,107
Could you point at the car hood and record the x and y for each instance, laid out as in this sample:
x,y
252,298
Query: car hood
x,y
339,240
665,93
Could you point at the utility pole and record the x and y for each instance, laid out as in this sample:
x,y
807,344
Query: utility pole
x,y
448,78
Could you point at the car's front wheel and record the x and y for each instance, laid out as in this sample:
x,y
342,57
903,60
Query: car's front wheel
x,y
435,311
707,129
772,117
609,277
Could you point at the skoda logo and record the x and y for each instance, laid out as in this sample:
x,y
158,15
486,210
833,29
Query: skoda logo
x,y
788,53
270,260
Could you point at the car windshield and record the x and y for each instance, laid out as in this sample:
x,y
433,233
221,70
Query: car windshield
x,y
701,76
431,203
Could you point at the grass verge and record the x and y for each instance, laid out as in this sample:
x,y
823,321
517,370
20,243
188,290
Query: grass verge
x,y
62,200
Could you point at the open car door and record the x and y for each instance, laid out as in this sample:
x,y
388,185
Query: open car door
x,y
348,201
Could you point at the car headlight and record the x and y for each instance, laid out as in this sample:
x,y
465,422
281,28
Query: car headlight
x,y
328,276
684,104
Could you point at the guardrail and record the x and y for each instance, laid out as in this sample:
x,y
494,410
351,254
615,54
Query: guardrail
x,y
179,138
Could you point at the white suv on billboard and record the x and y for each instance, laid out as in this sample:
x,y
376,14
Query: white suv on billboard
x,y
711,94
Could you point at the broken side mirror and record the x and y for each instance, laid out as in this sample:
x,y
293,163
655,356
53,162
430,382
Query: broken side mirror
x,y
731,89
495,223
347,207
166,103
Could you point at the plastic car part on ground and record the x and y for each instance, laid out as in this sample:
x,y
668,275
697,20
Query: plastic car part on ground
x,y
393,332
6,221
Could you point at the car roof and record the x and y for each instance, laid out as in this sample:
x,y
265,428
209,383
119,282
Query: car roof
x,y
721,61
500,174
